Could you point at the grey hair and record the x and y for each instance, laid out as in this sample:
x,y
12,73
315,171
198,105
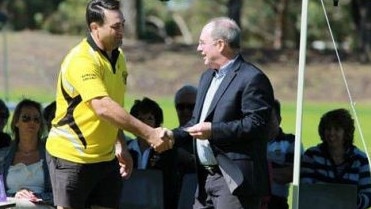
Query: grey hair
x,y
226,29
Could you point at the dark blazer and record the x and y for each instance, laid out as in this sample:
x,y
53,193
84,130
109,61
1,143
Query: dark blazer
x,y
240,113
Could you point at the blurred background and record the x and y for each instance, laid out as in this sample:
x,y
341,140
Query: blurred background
x,y
266,23
161,39
160,47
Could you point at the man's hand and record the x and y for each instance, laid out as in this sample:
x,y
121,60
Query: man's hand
x,y
165,142
125,161
200,131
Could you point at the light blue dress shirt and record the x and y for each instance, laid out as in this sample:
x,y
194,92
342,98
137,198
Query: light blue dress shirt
x,y
204,151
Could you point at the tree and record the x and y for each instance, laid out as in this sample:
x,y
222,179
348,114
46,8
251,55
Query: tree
x,y
234,10
361,11
29,14
134,15
282,22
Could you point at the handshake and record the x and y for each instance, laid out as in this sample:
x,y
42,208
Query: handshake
x,y
162,139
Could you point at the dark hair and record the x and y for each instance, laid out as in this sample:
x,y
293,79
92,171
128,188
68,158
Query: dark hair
x,y
339,118
145,106
17,114
276,109
4,108
95,13
49,113
186,89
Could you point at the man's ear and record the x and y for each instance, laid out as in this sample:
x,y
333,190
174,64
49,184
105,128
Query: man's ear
x,y
221,45
93,26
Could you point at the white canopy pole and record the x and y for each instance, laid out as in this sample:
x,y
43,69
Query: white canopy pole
x,y
299,103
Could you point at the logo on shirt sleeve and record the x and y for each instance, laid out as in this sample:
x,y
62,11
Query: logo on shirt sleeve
x,y
88,76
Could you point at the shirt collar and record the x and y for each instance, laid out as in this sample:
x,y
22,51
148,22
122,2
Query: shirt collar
x,y
115,52
93,44
225,68
96,48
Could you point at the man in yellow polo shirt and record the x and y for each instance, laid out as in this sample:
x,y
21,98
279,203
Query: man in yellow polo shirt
x,y
89,117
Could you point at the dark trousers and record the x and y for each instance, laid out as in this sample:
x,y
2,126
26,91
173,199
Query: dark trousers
x,y
276,202
218,195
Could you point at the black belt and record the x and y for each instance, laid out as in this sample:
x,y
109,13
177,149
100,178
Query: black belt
x,y
211,169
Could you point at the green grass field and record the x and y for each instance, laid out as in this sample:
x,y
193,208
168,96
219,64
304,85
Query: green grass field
x,y
311,114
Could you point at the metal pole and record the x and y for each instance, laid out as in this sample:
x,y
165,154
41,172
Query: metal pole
x,y
299,104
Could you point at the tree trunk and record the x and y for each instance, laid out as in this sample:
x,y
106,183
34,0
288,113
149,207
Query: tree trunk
x,y
234,10
362,18
280,25
133,13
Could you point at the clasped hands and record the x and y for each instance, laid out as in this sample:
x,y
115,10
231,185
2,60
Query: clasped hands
x,y
162,140
200,131
27,194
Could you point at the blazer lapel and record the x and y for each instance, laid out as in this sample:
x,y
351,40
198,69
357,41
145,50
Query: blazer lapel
x,y
224,85
204,86
218,94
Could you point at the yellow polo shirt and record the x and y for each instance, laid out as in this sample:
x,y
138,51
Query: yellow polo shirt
x,y
77,134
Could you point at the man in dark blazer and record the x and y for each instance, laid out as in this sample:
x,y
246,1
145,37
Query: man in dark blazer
x,y
230,123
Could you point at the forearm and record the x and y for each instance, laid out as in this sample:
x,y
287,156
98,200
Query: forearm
x,y
121,138
112,112
121,143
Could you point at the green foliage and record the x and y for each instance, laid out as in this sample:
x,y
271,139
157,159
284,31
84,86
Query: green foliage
x,y
258,18
69,19
26,14
200,12
339,18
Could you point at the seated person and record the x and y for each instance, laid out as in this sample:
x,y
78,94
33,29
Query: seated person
x,y
184,101
4,115
280,154
336,159
24,168
144,156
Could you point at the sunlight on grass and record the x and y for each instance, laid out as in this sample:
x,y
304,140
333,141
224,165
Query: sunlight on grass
x,y
312,113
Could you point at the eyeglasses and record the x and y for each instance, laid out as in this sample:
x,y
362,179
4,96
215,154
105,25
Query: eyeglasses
x,y
214,42
27,118
203,43
184,106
